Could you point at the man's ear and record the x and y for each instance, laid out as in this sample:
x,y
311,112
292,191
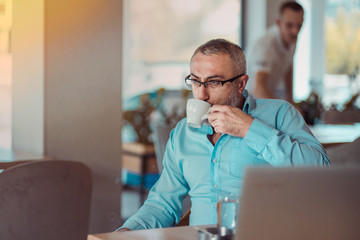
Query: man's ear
x,y
242,82
278,22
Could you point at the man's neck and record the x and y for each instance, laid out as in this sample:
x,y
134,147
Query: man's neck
x,y
286,45
214,137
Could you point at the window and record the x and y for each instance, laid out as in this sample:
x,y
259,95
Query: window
x,y
342,58
160,37
327,59
5,73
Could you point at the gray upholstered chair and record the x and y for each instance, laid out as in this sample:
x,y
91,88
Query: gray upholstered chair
x,y
161,135
345,154
45,200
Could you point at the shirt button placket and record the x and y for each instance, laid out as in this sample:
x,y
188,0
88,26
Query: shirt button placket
x,y
215,167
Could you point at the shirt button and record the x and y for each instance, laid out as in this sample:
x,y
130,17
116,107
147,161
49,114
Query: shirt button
x,y
215,205
204,138
215,185
214,160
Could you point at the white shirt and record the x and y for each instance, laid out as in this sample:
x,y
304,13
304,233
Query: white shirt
x,y
270,55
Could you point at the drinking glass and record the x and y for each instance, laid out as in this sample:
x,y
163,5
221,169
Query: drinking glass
x,y
227,209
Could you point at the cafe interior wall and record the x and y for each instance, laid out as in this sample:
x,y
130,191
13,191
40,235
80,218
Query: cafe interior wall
x,y
67,91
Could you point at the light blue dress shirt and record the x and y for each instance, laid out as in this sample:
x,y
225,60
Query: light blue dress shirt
x,y
278,137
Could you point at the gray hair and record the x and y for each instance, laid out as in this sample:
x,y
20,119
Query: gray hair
x,y
222,46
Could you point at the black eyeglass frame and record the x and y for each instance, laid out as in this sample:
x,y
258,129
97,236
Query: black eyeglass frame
x,y
207,82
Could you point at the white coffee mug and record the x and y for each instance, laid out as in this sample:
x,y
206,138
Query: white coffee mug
x,y
197,112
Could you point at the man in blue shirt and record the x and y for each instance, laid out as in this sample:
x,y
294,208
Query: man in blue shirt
x,y
241,131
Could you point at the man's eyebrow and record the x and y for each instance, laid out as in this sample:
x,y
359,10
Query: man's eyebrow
x,y
191,74
210,77
215,76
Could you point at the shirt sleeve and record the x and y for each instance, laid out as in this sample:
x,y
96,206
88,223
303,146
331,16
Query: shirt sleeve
x,y
291,143
163,206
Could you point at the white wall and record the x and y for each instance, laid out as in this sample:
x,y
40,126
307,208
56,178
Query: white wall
x,y
255,21
272,11
67,91
317,36
83,42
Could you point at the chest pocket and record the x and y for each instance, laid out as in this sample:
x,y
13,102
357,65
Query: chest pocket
x,y
242,156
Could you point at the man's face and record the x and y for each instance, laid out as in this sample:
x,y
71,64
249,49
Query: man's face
x,y
290,23
216,67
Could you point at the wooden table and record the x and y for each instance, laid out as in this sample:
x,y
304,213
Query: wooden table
x,y
9,157
173,233
334,134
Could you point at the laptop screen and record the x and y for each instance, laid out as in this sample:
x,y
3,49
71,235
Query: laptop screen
x,y
300,203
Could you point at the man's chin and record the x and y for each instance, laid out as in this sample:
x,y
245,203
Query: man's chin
x,y
293,40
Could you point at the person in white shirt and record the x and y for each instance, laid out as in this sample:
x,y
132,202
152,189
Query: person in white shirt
x,y
271,57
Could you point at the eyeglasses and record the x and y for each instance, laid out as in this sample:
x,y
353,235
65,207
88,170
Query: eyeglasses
x,y
212,84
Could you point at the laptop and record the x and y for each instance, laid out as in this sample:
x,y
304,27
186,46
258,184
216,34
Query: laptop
x,y
300,203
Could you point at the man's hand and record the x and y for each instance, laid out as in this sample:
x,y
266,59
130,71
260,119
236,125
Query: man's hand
x,y
124,230
229,120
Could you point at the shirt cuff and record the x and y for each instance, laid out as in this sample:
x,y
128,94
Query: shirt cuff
x,y
132,225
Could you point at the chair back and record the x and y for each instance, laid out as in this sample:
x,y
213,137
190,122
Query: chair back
x,y
161,136
345,154
45,200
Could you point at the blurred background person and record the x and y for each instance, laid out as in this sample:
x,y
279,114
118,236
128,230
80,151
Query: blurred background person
x,y
271,57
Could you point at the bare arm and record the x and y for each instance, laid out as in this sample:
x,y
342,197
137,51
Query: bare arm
x,y
124,230
260,87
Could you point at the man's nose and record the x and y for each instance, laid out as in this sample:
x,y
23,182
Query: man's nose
x,y
295,30
202,93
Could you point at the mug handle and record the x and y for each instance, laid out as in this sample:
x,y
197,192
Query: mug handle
x,y
206,114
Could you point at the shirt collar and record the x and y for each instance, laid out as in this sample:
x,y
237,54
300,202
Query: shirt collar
x,y
249,104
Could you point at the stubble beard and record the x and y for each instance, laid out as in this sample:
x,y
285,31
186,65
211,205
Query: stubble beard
x,y
234,98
